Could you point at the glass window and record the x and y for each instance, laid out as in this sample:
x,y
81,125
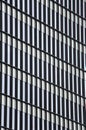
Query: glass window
x,y
34,99
2,115
29,59
43,65
14,53
47,96
33,61
52,98
38,93
18,4
38,64
60,13
28,30
14,31
3,52
3,83
33,33
28,6
65,100
23,31
51,13
56,99
8,85
18,89
47,12
3,21
38,9
23,121
61,102
24,57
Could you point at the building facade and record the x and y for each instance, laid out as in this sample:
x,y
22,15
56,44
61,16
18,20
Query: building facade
x,y
42,64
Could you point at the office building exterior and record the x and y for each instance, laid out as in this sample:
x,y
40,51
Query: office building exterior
x,y
42,64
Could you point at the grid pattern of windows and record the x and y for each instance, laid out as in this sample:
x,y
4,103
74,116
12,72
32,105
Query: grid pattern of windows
x,y
42,64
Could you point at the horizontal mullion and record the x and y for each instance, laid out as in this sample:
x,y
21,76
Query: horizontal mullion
x,y
76,67
5,128
68,10
42,79
61,6
41,108
45,24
